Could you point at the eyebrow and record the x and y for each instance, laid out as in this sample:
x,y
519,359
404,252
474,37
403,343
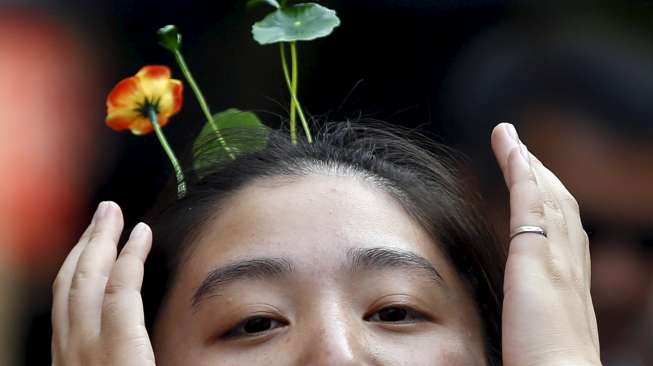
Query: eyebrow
x,y
256,268
383,258
264,268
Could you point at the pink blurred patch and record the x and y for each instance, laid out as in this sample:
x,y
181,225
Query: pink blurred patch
x,y
45,136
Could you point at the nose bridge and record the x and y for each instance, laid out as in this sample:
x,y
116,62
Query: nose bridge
x,y
332,336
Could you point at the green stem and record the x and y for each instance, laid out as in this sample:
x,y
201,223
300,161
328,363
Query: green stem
x,y
181,182
293,85
200,98
295,66
293,108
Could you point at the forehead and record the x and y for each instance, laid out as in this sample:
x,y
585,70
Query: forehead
x,y
313,221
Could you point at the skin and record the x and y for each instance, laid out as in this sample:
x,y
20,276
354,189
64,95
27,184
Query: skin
x,y
326,311
323,304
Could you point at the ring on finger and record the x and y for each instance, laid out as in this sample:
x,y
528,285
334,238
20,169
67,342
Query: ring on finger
x,y
524,229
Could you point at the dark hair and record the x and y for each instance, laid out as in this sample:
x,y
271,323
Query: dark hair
x,y
419,174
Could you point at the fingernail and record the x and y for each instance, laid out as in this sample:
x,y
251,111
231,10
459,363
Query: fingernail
x,y
512,132
524,153
101,211
139,230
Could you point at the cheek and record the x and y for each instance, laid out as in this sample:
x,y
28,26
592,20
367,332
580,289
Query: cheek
x,y
434,350
430,351
212,357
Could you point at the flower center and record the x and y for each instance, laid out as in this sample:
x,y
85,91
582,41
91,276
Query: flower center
x,y
147,105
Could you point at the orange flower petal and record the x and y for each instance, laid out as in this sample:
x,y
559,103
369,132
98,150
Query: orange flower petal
x,y
163,120
151,83
156,89
154,80
141,126
121,119
170,101
154,72
126,94
177,94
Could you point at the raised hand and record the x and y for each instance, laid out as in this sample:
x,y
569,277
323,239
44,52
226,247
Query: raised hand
x,y
548,317
97,310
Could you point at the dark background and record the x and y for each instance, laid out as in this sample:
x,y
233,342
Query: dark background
x,y
397,61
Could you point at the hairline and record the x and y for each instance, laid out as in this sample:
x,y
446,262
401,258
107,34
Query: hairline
x,y
307,168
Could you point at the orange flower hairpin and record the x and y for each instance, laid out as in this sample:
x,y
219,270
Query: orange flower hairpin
x,y
144,103
134,100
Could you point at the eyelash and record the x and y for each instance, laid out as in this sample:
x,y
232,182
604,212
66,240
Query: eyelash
x,y
240,330
414,315
270,324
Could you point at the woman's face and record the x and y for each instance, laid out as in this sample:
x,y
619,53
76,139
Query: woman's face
x,y
324,270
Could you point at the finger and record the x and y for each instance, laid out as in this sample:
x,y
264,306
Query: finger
x,y
555,221
564,199
122,310
122,293
526,207
92,272
526,186
61,289
504,139
559,252
579,243
526,202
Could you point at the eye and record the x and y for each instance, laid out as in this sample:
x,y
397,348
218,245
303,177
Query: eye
x,y
253,327
396,314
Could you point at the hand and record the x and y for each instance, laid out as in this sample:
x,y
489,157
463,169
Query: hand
x,y
97,310
548,317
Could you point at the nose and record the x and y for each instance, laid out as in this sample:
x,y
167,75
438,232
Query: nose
x,y
332,339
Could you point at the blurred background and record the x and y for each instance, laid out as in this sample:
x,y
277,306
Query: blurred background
x,y
575,77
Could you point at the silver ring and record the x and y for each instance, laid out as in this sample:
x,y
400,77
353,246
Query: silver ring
x,y
527,229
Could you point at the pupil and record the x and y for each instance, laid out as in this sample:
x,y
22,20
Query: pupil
x,y
392,314
258,325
